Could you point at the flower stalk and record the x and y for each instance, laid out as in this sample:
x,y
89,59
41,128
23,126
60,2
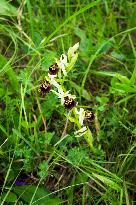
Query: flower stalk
x,y
59,71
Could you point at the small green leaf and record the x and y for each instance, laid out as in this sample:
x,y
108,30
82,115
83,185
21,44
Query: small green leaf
x,y
89,139
43,167
10,72
119,56
102,100
81,91
1,152
2,92
122,78
71,119
77,156
6,9
107,181
41,196
48,137
84,42
11,197
134,131
26,125
121,84
48,59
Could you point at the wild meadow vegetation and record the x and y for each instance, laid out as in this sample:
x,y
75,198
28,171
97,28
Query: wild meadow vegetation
x,y
68,102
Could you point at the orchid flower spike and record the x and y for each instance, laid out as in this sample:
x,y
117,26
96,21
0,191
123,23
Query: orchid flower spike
x,y
66,98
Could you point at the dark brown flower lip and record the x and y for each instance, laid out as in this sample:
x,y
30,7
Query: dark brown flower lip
x,y
89,116
69,103
53,69
45,87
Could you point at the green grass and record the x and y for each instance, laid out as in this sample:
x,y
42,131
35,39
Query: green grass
x,y
72,170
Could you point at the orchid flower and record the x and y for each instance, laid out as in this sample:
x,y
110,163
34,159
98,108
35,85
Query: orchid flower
x,y
81,116
61,94
66,63
81,132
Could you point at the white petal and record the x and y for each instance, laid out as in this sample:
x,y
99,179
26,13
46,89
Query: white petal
x,y
63,64
51,76
63,69
63,59
76,46
81,116
54,82
81,132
